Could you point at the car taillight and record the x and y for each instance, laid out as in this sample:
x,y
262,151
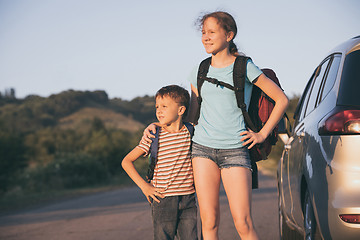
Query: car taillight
x,y
350,218
343,122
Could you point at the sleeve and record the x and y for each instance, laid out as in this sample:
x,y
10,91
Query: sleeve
x,y
192,78
145,147
252,71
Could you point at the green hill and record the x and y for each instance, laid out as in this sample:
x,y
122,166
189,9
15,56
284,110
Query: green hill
x,y
66,140
111,119
75,107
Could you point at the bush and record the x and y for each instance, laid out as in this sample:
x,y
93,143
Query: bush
x,y
67,171
12,162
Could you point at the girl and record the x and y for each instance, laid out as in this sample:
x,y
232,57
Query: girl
x,y
220,137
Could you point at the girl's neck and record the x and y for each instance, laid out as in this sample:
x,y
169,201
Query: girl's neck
x,y
222,59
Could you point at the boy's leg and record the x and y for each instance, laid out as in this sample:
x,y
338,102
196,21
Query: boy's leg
x,y
165,215
187,226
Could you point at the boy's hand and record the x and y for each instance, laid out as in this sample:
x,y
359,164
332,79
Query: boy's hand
x,y
147,136
151,192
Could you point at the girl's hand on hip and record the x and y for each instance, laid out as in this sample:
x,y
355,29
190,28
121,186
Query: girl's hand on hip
x,y
251,138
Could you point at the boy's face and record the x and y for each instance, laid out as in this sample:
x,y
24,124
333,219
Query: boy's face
x,y
167,110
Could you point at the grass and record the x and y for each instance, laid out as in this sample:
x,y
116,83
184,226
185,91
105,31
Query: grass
x,y
20,199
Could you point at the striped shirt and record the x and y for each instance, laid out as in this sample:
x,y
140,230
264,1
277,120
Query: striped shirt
x,y
173,171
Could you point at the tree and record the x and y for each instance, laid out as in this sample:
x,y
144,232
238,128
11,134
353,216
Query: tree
x,y
12,161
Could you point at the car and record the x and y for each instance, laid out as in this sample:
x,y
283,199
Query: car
x,y
318,174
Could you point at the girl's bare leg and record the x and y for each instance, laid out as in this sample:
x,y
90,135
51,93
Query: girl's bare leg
x,y
207,185
237,184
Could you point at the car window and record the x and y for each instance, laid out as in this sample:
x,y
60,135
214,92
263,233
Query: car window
x,y
349,83
331,76
315,87
300,109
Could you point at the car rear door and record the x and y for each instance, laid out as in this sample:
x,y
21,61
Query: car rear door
x,y
292,156
305,147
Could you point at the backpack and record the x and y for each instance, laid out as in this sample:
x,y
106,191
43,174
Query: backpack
x,y
260,106
154,147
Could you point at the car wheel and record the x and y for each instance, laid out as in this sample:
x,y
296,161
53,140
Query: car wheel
x,y
311,229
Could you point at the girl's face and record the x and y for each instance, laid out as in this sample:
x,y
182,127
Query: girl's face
x,y
214,37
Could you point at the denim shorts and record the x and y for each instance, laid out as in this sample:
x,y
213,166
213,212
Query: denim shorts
x,y
224,158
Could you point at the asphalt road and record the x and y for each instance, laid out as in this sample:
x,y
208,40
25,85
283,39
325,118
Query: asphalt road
x,y
125,214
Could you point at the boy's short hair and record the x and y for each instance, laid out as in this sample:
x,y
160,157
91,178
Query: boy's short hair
x,y
177,93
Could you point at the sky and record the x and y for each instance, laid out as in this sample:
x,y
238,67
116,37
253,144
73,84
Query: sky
x,y
133,48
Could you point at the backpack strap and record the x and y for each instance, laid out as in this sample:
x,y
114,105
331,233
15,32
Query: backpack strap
x,y
153,154
239,74
202,72
190,128
202,76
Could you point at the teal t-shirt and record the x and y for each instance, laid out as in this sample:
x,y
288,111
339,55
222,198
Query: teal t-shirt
x,y
221,120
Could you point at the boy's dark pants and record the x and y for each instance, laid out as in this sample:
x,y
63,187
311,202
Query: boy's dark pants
x,y
175,216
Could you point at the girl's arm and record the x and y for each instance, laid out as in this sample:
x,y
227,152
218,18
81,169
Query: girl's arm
x,y
149,131
128,165
281,102
194,105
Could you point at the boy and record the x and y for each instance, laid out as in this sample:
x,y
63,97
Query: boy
x,y
171,192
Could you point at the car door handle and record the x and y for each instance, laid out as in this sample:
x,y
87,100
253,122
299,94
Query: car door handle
x,y
300,134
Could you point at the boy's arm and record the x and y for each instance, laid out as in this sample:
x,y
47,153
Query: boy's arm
x,y
148,189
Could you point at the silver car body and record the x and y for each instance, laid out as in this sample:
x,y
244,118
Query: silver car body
x,y
324,164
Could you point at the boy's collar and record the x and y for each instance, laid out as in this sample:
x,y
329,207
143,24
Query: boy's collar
x,y
171,130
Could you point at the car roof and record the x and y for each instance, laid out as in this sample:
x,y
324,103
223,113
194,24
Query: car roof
x,y
348,46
